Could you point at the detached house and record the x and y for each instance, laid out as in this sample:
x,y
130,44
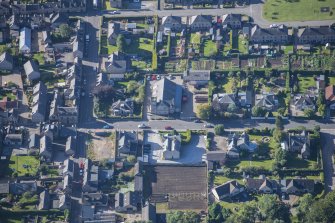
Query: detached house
x,y
31,70
316,35
117,63
227,190
200,23
127,143
267,101
330,96
297,186
237,143
215,159
303,102
123,108
232,20
46,148
6,62
128,202
262,186
278,35
166,97
172,23
298,143
25,40
71,145
113,32
67,115
171,147
39,103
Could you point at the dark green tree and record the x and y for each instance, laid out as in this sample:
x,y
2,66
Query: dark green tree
x,y
120,43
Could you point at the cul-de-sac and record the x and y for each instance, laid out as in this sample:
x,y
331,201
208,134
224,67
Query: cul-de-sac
x,y
167,111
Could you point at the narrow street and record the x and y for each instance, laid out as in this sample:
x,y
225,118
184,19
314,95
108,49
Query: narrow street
x,y
327,140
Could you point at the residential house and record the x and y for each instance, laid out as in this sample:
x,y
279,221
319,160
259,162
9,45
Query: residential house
x,y
44,203
330,96
6,62
267,101
4,188
123,108
91,177
78,46
68,167
64,201
171,147
215,159
115,3
102,79
13,139
197,77
53,116
127,143
227,102
67,115
67,184
297,186
237,143
34,141
200,23
114,30
277,35
299,143
321,83
232,20
316,35
172,23
262,185
19,188
71,145
117,63
303,102
31,70
227,190
56,19
46,37
97,199
166,97
25,40
128,202
46,148
39,104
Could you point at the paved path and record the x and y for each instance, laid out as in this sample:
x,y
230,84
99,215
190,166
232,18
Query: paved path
x,y
253,10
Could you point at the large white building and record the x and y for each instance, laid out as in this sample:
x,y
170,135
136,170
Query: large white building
x,y
25,40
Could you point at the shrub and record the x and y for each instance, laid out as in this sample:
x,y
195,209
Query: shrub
x,y
219,129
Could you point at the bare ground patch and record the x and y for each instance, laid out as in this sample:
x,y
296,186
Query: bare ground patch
x,y
100,148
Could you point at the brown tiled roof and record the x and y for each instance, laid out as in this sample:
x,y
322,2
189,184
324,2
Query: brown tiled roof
x,y
330,95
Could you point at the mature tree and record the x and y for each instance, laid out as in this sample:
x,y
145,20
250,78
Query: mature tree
x,y
280,157
322,210
204,111
305,202
309,113
271,209
217,214
258,111
120,43
219,129
281,111
181,217
278,135
322,110
279,123
132,86
246,214
104,92
232,108
65,30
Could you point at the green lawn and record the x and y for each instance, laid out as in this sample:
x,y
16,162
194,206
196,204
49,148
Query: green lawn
x,y
210,48
300,10
293,161
140,46
288,49
220,179
105,48
242,45
142,65
331,80
48,76
228,86
108,6
305,82
40,58
146,44
195,38
267,164
16,164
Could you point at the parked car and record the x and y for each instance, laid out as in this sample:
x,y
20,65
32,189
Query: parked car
x,y
197,121
158,77
142,126
107,127
168,128
208,125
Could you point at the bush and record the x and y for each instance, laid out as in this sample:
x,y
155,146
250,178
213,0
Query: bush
x,y
219,129
255,171
187,137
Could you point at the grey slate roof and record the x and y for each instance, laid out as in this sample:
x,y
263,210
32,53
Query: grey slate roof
x,y
44,200
30,66
169,92
197,75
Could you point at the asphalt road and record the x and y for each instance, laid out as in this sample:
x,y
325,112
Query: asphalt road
x,y
327,140
253,10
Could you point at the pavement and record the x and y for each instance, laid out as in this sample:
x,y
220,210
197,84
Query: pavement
x,y
327,140
254,10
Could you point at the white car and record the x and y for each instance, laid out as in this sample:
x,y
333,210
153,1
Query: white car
x,y
158,77
142,126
